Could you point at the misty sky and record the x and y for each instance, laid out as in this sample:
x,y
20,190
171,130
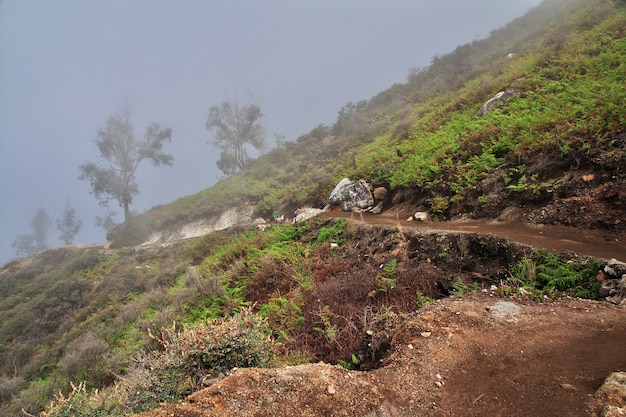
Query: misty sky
x,y
66,64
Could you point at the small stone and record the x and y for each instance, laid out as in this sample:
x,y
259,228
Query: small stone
x,y
410,346
503,309
331,390
420,216
568,387
425,334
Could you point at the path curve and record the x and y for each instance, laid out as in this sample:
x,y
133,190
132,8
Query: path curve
x,y
554,238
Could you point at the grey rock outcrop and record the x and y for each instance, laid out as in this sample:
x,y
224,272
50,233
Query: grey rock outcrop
x,y
499,99
228,218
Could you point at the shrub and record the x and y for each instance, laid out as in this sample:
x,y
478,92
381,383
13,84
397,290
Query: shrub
x,y
82,355
81,403
190,355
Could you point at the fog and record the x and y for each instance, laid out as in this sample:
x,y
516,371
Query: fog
x,y
66,64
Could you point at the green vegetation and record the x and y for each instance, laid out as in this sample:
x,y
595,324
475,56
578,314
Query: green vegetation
x,y
98,325
385,278
333,232
546,274
459,287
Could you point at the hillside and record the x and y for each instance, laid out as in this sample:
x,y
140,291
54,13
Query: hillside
x,y
558,141
190,290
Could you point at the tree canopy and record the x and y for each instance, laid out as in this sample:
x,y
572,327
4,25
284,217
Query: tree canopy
x,y
114,176
236,127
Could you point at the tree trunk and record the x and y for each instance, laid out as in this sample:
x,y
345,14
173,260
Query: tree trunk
x,y
126,211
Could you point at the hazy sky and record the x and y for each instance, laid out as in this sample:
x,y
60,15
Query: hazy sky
x,y
66,64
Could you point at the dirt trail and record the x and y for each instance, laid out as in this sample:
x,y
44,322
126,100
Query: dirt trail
x,y
555,238
461,356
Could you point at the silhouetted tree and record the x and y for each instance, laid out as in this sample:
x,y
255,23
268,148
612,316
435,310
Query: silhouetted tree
x,y
28,244
68,226
114,177
235,127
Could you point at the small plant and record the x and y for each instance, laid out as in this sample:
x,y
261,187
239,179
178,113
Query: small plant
x,y
459,287
421,299
328,330
383,279
384,283
354,363
390,267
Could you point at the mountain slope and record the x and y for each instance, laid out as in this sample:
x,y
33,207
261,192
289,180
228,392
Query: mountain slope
x,y
565,122
553,153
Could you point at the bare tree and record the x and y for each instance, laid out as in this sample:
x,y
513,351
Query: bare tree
x,y
236,128
114,177
68,225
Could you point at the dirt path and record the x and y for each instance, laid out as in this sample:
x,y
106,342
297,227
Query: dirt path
x,y
473,355
555,238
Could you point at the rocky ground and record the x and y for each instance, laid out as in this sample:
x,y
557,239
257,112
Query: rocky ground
x,y
474,355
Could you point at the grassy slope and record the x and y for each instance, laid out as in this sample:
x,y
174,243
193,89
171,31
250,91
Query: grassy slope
x,y
569,74
82,314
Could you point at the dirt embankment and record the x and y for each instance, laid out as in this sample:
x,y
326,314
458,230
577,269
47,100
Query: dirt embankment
x,y
473,355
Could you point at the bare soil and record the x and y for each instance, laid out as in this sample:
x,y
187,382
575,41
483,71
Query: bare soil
x,y
459,356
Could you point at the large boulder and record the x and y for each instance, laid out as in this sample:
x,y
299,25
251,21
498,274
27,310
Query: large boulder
x,y
352,196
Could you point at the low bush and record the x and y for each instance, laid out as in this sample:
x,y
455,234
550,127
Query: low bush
x,y
188,357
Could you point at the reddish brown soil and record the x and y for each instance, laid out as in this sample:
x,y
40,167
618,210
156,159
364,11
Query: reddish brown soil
x,y
458,356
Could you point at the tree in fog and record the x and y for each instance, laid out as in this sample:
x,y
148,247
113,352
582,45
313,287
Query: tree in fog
x,y
114,176
26,245
68,225
236,128
106,222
